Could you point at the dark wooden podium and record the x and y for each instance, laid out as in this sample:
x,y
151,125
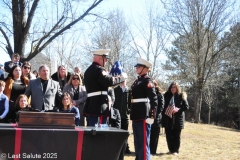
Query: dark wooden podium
x,y
81,143
53,120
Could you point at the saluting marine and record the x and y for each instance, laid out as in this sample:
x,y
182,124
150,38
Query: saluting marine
x,y
97,80
143,105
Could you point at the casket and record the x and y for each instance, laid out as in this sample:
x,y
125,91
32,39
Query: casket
x,y
54,120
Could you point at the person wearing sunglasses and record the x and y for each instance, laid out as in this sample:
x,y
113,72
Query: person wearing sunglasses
x,y
79,71
78,94
26,70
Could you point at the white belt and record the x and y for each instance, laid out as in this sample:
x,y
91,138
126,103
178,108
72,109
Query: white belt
x,y
97,93
140,100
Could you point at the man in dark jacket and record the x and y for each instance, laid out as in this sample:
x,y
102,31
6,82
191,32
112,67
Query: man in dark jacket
x,y
15,61
97,80
121,103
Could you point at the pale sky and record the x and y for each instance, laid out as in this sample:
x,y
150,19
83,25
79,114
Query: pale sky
x,y
129,7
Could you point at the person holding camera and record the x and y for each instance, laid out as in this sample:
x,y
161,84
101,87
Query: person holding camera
x,y
14,62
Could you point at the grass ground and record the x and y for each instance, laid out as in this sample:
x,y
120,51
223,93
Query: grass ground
x,y
199,141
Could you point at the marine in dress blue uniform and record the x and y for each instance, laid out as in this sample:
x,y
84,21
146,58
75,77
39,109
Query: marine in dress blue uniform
x,y
143,104
97,80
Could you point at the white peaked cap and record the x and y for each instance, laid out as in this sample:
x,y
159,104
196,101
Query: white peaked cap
x,y
143,62
101,52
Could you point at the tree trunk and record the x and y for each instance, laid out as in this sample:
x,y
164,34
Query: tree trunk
x,y
209,114
198,102
199,105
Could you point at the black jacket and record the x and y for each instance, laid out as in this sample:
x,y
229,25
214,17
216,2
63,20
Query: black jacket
x,y
55,77
121,101
115,118
7,68
178,119
158,119
143,87
97,79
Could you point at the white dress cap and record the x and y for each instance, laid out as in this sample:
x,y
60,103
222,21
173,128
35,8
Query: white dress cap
x,y
101,52
143,62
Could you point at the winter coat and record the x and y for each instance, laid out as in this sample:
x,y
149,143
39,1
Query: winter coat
x,y
121,101
158,120
55,77
177,121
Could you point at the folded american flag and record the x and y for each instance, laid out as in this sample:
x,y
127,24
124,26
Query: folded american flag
x,y
117,69
170,108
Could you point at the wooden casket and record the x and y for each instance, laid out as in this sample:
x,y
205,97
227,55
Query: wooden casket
x,y
54,120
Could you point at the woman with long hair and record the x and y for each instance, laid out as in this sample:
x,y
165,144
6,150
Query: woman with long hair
x,y
62,76
16,84
26,70
173,116
68,107
78,94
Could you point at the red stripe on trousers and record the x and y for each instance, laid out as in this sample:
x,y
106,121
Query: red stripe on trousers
x,y
144,140
18,138
79,143
100,119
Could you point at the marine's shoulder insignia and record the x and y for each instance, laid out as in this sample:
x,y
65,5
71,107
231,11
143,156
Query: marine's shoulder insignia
x,y
150,84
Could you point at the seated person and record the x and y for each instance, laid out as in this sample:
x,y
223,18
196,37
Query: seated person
x,y
67,107
22,103
115,118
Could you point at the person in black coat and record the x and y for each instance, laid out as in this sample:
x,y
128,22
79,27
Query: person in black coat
x,y
97,80
115,121
115,117
62,76
155,128
174,122
121,103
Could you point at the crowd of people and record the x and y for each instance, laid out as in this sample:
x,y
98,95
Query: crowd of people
x,y
97,97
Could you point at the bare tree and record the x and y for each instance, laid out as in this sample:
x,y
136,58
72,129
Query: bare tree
x,y
113,33
200,24
149,39
208,95
32,25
